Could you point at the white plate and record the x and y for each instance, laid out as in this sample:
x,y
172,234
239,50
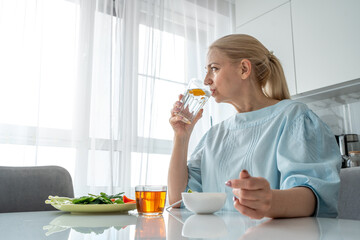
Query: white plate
x,y
94,208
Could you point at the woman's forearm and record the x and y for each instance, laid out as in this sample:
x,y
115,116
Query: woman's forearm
x,y
178,172
295,202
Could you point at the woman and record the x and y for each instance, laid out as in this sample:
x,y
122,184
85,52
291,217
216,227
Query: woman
x,y
276,157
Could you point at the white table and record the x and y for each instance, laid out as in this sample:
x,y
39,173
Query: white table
x,y
178,224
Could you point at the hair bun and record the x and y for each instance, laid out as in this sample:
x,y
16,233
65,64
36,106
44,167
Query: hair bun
x,y
270,55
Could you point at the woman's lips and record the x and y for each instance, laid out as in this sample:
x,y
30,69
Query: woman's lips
x,y
212,92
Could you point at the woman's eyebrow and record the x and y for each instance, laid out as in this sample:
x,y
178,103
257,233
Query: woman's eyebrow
x,y
211,64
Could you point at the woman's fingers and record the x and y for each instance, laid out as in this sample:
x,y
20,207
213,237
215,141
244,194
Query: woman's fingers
x,y
174,112
250,183
244,174
255,199
252,195
253,204
177,104
249,194
175,118
176,108
198,116
247,211
262,204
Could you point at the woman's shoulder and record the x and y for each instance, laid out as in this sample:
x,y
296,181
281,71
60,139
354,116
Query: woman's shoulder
x,y
289,104
302,118
294,109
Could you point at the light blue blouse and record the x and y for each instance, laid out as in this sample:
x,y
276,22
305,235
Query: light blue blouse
x,y
285,143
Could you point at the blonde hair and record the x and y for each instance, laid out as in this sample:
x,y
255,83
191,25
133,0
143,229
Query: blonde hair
x,y
267,68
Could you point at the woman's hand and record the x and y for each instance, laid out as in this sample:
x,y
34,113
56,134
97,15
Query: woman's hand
x,y
253,196
180,128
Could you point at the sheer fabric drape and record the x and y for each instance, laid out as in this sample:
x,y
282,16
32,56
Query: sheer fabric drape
x,y
89,84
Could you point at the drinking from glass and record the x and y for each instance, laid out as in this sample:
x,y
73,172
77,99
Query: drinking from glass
x,y
150,199
195,97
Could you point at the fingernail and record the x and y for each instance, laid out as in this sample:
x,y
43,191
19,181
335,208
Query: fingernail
x,y
228,183
245,171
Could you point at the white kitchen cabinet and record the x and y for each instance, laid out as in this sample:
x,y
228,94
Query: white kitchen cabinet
x,y
247,10
273,29
326,42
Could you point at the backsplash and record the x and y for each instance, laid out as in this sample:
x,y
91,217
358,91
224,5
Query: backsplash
x,y
341,118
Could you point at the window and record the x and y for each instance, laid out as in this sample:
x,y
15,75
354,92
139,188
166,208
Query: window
x,y
164,75
38,91
52,114
38,59
168,80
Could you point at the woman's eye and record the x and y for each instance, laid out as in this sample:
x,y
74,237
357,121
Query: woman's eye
x,y
214,69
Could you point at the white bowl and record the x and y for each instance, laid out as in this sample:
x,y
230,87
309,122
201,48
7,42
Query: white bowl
x,y
202,202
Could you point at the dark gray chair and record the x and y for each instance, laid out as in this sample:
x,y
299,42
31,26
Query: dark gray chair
x,y
25,189
349,196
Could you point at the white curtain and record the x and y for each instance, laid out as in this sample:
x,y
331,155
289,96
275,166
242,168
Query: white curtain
x,y
89,84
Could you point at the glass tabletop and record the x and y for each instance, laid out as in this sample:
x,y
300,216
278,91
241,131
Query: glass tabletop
x,y
175,224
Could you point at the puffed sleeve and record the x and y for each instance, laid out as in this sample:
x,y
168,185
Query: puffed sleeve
x,y
194,167
308,156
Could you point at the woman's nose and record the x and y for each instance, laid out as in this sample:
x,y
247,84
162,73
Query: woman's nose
x,y
207,81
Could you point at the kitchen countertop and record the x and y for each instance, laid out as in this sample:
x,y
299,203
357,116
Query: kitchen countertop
x,y
176,224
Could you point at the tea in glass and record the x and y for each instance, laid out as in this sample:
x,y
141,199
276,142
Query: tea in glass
x,y
195,97
150,200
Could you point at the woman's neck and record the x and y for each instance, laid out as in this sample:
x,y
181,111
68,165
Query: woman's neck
x,y
252,101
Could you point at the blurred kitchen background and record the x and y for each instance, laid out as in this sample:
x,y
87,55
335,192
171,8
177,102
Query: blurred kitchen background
x,y
89,84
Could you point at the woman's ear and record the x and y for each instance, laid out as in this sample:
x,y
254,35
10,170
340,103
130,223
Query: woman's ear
x,y
245,68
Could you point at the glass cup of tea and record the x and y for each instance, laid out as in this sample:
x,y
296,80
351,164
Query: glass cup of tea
x,y
195,97
150,199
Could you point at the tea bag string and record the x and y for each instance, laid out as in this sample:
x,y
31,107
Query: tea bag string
x,y
167,209
173,205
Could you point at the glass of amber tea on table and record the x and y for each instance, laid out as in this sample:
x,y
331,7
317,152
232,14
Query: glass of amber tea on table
x,y
150,199
195,97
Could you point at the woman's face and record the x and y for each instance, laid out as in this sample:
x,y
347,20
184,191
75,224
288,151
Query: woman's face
x,y
222,76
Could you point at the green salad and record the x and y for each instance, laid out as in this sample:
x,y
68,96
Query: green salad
x,y
103,198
